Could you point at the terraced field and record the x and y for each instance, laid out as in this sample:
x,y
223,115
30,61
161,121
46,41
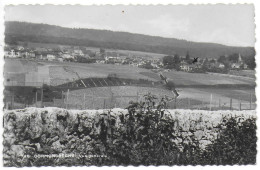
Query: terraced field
x,y
69,71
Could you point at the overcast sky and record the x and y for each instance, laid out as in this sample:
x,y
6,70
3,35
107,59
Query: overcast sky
x,y
224,24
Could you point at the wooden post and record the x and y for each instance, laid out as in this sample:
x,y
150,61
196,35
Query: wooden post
x,y
12,101
175,102
137,97
231,104
188,103
84,101
36,98
112,98
104,107
93,101
67,98
42,96
250,101
219,103
240,105
210,101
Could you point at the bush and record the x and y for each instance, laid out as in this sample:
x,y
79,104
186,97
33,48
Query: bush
x,y
236,145
146,134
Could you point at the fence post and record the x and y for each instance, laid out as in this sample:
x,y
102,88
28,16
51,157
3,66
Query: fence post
x,y
36,98
231,104
137,97
219,103
67,98
104,104
93,101
175,102
84,101
112,97
12,103
42,96
188,103
240,105
250,101
210,102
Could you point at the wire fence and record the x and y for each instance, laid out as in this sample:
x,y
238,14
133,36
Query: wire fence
x,y
70,100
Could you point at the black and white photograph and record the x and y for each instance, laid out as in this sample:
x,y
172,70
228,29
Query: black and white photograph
x,y
120,85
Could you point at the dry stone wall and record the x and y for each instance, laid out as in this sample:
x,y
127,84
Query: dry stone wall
x,y
54,136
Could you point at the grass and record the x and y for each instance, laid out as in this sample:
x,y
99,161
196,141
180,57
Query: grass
x,y
184,78
57,73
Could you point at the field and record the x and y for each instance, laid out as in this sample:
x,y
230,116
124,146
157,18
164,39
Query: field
x,y
190,98
126,52
196,90
55,73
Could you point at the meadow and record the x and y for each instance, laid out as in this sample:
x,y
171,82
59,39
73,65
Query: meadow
x,y
195,89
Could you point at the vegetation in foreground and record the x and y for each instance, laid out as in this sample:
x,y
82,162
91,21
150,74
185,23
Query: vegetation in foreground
x,y
143,136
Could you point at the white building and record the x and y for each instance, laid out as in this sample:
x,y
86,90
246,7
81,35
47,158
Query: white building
x,y
51,57
235,65
12,54
67,56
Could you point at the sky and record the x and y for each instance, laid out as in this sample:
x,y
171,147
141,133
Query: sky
x,y
224,24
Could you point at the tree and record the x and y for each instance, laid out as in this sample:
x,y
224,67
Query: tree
x,y
187,58
176,59
250,61
168,60
222,59
233,57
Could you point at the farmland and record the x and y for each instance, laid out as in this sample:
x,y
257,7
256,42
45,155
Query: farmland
x,y
195,89
197,98
125,52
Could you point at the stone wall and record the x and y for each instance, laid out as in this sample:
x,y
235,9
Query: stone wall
x,y
54,136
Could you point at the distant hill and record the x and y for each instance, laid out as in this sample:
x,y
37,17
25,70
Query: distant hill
x,y
43,33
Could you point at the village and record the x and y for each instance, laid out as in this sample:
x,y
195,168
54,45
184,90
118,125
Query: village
x,y
83,55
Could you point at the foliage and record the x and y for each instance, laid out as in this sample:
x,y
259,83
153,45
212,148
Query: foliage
x,y
42,33
171,62
81,59
236,145
168,60
145,135
147,138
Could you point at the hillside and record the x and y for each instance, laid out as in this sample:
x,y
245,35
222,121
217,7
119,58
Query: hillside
x,y
43,33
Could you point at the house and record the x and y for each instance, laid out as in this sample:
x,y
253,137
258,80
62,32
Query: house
x,y
20,48
245,66
112,59
51,57
221,65
67,56
60,59
155,65
12,54
185,67
235,65
217,65
78,52
28,54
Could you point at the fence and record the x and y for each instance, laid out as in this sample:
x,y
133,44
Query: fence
x,y
70,100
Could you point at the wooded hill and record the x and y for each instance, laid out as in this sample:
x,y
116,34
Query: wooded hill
x,y
43,33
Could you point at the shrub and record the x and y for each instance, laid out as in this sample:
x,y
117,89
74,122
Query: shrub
x,y
146,134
